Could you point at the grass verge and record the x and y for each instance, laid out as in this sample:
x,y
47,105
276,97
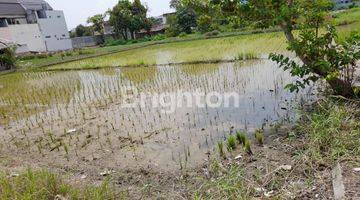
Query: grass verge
x,y
43,185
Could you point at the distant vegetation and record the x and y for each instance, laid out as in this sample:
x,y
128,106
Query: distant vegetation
x,y
7,58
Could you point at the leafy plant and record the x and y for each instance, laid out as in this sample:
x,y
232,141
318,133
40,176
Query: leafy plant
x,y
325,59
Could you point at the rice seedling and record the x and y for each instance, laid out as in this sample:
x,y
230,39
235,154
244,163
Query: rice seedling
x,y
259,136
231,143
220,147
247,56
241,137
247,147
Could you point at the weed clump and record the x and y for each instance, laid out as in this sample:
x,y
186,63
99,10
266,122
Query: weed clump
x,y
241,137
231,143
220,146
259,136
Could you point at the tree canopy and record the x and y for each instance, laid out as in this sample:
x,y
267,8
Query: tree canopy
x,y
129,18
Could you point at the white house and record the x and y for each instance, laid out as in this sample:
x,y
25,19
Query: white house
x,y
34,26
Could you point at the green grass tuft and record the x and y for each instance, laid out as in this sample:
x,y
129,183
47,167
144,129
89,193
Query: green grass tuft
x,y
241,137
259,136
333,131
43,185
231,143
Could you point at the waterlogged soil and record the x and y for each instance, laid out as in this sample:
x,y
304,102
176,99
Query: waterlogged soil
x,y
76,120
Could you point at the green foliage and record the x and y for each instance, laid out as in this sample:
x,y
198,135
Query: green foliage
x,y
129,18
82,30
172,29
43,185
247,147
227,184
7,58
204,23
231,143
220,147
247,56
259,136
241,137
333,131
324,60
186,19
97,22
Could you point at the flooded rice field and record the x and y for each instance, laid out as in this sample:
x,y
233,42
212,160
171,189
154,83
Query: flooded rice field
x,y
156,117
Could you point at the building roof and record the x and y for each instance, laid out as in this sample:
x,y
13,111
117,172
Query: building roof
x,y
19,7
11,8
35,4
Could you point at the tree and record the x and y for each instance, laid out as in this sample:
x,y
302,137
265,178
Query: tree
x,y
120,18
321,57
82,30
186,19
127,17
138,20
97,22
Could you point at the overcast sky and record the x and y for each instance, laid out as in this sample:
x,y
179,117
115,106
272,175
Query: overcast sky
x,y
77,11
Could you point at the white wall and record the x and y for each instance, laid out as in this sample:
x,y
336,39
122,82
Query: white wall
x,y
54,31
26,35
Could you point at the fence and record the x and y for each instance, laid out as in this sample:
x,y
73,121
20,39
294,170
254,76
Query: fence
x,y
86,41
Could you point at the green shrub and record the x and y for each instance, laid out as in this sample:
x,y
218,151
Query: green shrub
x,y
183,34
7,58
204,23
158,37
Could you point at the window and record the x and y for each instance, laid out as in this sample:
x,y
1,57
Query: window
x,y
3,23
58,16
48,36
63,35
41,14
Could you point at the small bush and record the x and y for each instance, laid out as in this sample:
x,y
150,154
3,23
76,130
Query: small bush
x,y
182,34
158,37
204,23
7,58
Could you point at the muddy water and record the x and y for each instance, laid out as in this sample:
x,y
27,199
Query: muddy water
x,y
79,119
